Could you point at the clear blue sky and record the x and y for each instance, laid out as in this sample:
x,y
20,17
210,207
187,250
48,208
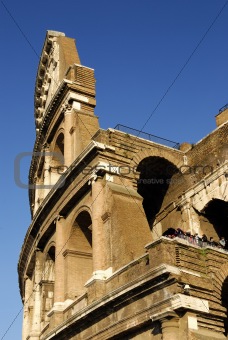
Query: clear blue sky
x,y
137,48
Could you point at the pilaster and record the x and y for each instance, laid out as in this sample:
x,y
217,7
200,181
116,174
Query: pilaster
x,y
98,237
67,136
36,320
47,162
59,261
27,298
170,328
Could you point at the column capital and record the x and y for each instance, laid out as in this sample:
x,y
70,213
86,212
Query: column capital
x,y
58,218
186,204
45,147
170,319
67,107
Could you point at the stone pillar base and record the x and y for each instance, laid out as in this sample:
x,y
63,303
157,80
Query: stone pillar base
x,y
56,314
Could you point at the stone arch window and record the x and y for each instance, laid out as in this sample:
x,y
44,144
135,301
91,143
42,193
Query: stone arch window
x,y
49,265
153,184
57,159
224,298
47,284
214,219
58,151
78,256
84,222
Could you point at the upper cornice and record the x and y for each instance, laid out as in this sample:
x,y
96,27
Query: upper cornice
x,y
58,54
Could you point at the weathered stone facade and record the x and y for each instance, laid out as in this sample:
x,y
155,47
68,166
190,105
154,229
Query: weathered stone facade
x,y
94,263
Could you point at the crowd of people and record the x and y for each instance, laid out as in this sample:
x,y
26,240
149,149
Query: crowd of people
x,y
201,241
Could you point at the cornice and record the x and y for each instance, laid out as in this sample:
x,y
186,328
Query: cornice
x,y
48,59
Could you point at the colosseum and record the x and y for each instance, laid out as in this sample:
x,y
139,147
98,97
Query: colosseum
x,y
128,232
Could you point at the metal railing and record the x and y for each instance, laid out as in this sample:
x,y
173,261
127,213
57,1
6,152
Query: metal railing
x,y
223,108
146,135
191,240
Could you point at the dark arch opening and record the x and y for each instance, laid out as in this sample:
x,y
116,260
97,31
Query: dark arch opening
x,y
79,260
169,231
49,265
224,297
51,253
155,177
216,212
85,223
60,143
58,152
57,167
47,286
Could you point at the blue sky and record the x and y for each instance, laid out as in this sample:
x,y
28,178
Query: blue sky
x,y
137,48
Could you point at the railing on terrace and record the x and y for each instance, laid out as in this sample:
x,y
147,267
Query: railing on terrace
x,y
147,136
223,108
189,240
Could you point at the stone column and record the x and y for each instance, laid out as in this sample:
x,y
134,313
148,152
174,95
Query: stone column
x,y
68,137
186,217
98,242
36,320
189,217
59,262
27,298
170,329
47,175
56,313
38,194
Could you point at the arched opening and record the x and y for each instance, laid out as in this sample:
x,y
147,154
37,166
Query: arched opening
x,y
224,297
214,220
79,256
59,147
57,159
47,285
169,232
50,169
84,222
154,181
49,266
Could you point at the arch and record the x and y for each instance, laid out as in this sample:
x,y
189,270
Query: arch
x,y
215,189
81,232
57,159
214,219
169,232
155,174
79,259
59,137
224,298
47,284
58,150
221,291
49,265
83,208
173,156
84,221
219,277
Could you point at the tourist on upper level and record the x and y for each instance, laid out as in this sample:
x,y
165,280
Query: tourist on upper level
x,y
204,240
222,242
211,242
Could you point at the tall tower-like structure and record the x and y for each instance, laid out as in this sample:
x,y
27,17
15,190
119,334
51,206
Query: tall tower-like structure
x,y
64,113
114,249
